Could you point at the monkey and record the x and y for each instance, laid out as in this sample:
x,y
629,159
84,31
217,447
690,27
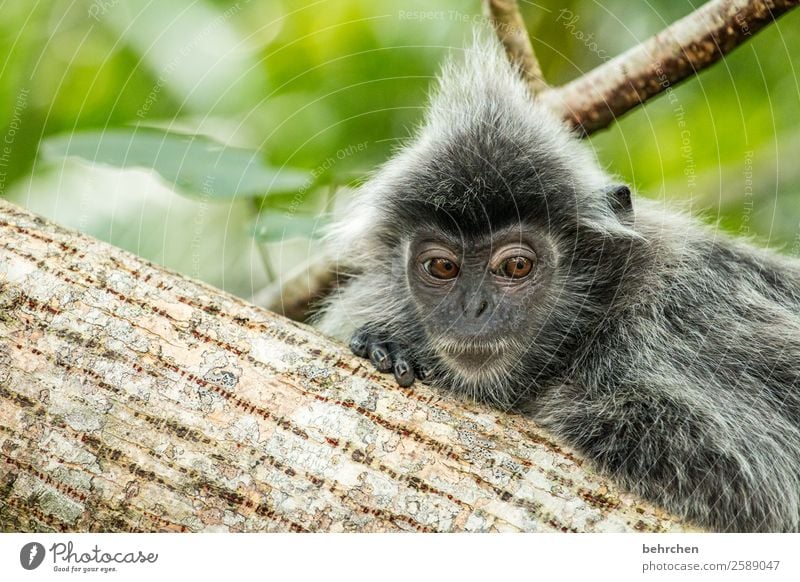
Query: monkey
x,y
492,257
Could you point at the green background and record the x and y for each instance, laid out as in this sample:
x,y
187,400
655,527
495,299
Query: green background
x,y
294,102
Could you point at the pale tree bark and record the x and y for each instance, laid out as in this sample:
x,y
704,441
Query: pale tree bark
x,y
134,399
296,292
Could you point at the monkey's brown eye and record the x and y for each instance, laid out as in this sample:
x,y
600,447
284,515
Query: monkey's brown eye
x,y
515,267
441,268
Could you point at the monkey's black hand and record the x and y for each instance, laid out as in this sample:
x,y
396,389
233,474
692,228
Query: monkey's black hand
x,y
387,355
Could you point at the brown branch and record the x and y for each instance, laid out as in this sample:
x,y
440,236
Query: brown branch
x,y
507,21
292,295
686,47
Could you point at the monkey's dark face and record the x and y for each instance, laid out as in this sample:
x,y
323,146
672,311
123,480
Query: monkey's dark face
x,y
476,296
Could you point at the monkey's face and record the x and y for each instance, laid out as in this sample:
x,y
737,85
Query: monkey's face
x,y
477,296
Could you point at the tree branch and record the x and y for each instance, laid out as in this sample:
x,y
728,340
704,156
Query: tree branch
x,y
293,294
686,47
510,28
134,399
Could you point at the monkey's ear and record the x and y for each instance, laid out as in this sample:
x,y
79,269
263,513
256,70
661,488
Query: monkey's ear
x,y
616,216
619,196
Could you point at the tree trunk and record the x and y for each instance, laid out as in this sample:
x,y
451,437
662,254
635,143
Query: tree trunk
x,y
134,399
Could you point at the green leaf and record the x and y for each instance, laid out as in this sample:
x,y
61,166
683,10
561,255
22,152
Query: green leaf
x,y
288,201
275,227
195,165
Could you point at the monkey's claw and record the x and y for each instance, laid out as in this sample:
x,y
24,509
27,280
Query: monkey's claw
x,y
380,358
403,372
389,356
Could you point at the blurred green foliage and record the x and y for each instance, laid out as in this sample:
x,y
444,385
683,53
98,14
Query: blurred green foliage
x,y
311,95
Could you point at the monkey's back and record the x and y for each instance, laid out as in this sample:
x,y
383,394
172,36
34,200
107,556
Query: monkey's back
x,y
688,390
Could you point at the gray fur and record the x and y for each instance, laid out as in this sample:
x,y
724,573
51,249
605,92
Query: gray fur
x,y
665,351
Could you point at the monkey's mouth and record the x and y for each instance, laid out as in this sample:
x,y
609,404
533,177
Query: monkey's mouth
x,y
472,353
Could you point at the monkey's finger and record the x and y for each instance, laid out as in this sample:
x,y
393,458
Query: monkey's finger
x,y
359,343
379,355
424,373
403,371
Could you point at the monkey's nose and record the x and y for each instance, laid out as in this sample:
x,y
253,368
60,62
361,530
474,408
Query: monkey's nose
x,y
476,309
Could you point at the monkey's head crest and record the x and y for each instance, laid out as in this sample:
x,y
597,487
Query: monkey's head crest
x,y
486,155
